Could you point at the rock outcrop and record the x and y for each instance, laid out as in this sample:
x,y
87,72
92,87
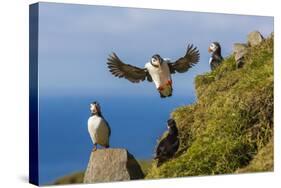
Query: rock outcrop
x,y
239,51
254,38
106,165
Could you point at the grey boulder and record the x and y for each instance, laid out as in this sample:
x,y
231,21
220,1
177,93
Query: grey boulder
x,y
254,38
239,51
106,165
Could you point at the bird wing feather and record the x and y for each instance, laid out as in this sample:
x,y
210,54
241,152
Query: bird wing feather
x,y
184,63
130,72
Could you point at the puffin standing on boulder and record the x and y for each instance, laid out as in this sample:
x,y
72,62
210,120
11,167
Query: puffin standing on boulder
x,y
158,70
169,145
98,127
216,58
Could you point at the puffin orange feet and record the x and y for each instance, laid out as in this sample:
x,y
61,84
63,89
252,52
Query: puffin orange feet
x,y
95,147
160,88
169,82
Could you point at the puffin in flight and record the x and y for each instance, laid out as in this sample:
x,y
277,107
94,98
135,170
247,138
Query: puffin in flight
x,y
169,145
158,69
216,58
98,127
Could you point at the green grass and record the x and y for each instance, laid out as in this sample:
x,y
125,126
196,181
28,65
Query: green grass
x,y
262,162
70,179
145,165
230,124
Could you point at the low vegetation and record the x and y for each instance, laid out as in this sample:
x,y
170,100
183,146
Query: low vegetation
x,y
70,179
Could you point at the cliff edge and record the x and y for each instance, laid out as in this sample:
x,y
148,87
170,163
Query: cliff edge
x,y
229,129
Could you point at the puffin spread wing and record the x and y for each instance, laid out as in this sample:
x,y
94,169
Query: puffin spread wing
x,y
131,73
184,63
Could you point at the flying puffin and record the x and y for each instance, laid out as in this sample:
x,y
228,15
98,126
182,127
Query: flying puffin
x,y
169,145
216,58
158,70
98,127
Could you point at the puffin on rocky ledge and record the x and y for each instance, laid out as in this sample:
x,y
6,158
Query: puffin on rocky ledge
x,y
98,127
169,145
216,58
158,70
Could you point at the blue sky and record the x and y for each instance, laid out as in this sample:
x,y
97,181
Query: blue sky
x,y
75,40
74,43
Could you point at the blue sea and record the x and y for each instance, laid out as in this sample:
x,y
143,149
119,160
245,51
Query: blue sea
x,y
65,145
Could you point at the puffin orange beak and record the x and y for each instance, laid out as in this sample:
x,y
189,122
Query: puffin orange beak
x,y
209,50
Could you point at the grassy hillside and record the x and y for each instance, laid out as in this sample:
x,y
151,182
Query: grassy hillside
x,y
263,161
230,127
145,165
70,179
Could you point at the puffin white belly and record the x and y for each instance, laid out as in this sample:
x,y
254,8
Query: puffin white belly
x,y
98,130
161,78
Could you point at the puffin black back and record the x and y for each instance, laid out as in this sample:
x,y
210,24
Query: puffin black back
x,y
169,145
118,94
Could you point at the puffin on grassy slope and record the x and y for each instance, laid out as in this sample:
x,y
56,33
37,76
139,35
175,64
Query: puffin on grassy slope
x,y
216,58
158,70
169,145
98,127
